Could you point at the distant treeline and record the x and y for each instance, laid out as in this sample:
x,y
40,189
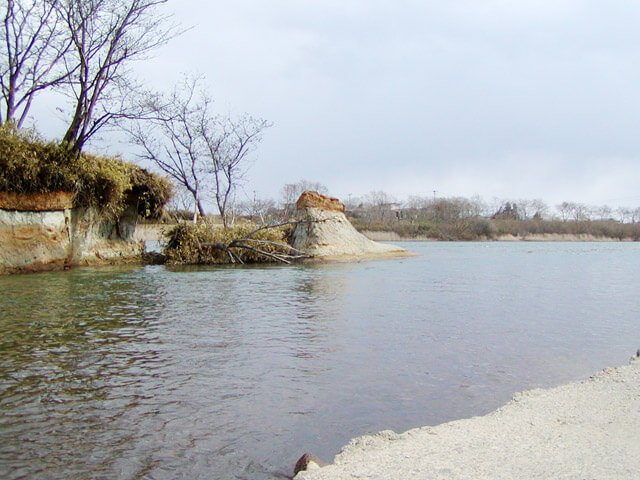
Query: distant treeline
x,y
471,219
451,218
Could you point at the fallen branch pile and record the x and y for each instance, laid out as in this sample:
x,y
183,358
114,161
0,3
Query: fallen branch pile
x,y
208,244
274,250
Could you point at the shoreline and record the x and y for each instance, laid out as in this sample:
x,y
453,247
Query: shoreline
x,y
155,232
389,236
586,429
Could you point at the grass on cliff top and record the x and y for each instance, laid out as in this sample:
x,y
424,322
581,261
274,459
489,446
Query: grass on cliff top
x,y
29,164
191,244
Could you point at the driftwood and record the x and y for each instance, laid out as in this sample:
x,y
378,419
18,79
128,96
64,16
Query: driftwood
x,y
283,253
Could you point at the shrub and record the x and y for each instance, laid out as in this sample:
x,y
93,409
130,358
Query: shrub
x,y
29,164
206,244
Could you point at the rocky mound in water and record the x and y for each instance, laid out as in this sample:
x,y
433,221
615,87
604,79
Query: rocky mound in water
x,y
324,231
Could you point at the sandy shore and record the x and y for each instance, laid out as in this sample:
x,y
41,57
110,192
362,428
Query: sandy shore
x,y
584,430
384,236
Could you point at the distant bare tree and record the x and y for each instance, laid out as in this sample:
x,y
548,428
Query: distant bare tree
x,y
290,193
564,209
525,208
540,208
580,212
573,211
625,214
33,51
106,36
263,210
418,202
351,202
603,212
379,203
478,207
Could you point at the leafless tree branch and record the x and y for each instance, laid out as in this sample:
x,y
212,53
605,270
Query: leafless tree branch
x,y
33,55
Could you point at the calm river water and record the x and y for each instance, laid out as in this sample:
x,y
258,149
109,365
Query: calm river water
x,y
223,373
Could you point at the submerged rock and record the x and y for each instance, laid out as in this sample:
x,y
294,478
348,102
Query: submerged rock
x,y
324,231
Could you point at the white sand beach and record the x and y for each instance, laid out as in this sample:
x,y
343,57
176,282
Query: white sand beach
x,y
583,430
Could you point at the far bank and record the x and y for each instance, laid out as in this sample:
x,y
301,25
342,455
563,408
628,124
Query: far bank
x,y
390,236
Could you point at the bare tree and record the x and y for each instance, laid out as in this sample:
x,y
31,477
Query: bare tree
x,y
478,206
228,142
106,36
571,210
539,207
172,141
581,212
451,209
290,193
525,208
32,54
603,212
262,210
418,202
351,203
379,203
565,209
624,214
202,152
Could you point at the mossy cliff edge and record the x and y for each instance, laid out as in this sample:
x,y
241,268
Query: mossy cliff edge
x,y
59,209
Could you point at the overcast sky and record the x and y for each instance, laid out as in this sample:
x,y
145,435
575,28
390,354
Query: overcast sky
x,y
504,98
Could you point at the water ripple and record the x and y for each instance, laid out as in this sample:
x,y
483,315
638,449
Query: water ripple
x,y
167,373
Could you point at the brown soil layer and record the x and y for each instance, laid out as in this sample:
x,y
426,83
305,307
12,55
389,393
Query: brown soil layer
x,y
36,201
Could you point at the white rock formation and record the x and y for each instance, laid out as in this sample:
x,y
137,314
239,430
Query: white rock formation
x,y
326,232
45,232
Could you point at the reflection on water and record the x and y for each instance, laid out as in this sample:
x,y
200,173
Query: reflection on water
x,y
74,350
202,372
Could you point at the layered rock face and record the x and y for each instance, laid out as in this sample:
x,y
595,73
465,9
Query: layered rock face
x,y
326,232
43,232
315,200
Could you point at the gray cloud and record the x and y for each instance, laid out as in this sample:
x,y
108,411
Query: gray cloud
x,y
515,99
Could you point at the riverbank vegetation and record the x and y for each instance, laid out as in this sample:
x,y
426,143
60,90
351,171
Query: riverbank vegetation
x,y
460,218
471,219
205,243
29,165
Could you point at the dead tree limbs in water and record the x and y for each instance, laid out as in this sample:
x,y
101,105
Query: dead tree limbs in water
x,y
280,252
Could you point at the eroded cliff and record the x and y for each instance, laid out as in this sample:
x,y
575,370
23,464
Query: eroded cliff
x,y
324,231
45,232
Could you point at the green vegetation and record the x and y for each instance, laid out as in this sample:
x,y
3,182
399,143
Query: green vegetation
x,y
210,244
29,164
